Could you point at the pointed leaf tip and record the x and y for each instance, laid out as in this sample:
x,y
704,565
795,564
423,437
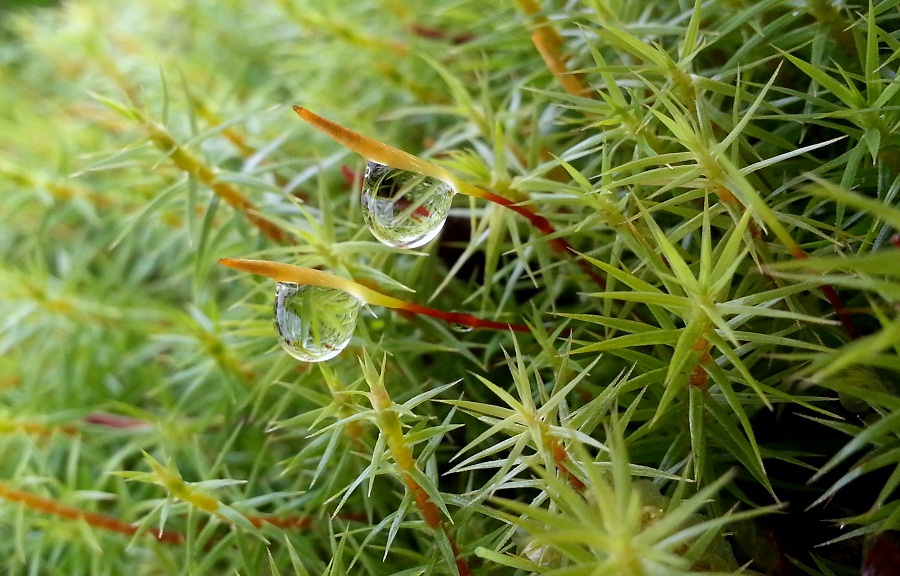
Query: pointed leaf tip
x,y
261,267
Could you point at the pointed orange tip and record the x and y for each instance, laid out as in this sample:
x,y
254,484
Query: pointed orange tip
x,y
304,113
251,266
317,121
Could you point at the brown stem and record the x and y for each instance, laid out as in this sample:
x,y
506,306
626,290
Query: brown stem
x,y
224,190
560,457
388,423
95,519
699,378
549,45
432,517
113,524
237,139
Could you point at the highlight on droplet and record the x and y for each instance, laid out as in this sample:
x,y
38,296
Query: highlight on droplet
x,y
316,312
457,327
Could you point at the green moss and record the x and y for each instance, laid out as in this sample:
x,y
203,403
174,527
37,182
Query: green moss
x,y
718,353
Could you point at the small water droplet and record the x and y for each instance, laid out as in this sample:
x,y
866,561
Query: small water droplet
x,y
314,323
457,327
404,209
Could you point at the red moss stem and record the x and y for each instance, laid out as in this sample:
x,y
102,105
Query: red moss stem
x,y
542,224
114,421
835,300
466,319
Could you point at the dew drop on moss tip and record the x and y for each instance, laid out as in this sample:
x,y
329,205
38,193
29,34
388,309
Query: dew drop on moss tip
x,y
404,209
313,323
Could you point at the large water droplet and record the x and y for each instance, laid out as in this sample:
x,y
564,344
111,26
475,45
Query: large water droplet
x,y
314,323
404,209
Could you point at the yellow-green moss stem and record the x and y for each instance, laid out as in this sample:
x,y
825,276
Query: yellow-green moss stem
x,y
388,422
549,45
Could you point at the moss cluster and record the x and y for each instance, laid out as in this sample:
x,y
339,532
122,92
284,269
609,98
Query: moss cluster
x,y
679,254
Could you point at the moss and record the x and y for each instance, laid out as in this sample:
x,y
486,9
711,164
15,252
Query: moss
x,y
657,334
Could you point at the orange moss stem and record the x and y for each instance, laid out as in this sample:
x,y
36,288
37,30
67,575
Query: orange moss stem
x,y
184,160
236,138
113,524
549,45
95,519
560,457
372,149
701,347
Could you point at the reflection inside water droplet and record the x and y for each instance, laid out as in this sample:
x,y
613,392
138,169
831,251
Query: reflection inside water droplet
x,y
404,209
458,327
314,323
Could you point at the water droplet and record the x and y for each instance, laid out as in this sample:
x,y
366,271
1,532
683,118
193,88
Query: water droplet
x,y
404,209
457,327
314,323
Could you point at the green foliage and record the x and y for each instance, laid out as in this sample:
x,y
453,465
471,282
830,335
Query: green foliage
x,y
730,173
